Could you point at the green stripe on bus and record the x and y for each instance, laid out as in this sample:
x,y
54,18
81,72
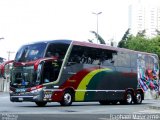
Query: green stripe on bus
x,y
80,92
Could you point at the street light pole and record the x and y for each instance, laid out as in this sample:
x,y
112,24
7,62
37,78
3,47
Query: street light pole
x,y
97,22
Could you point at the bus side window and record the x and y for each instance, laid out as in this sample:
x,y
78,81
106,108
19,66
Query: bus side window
x,y
56,50
75,55
84,55
108,57
96,56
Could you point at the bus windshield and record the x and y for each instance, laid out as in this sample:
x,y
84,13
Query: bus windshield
x,y
30,52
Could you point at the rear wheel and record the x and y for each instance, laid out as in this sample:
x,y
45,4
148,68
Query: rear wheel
x,y
41,104
128,98
67,98
138,99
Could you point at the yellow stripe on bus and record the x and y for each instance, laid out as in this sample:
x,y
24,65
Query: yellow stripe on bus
x,y
80,92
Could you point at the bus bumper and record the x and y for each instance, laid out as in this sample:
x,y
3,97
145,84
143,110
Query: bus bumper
x,y
25,97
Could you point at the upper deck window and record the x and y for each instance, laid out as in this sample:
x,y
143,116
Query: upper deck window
x,y
57,50
30,52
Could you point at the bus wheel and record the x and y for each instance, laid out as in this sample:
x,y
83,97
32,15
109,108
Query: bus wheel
x,y
104,102
129,98
41,104
67,99
138,99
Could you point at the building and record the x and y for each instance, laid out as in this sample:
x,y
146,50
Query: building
x,y
144,16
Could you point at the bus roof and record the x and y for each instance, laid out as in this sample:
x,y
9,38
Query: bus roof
x,y
103,46
89,44
53,41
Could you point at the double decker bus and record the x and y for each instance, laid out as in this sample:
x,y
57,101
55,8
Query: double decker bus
x,y
67,71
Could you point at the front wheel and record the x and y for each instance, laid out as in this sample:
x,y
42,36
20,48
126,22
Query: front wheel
x,y
67,99
41,104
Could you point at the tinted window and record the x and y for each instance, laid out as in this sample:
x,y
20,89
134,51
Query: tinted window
x,y
108,57
85,55
57,50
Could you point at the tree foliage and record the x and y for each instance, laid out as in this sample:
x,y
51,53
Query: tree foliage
x,y
141,43
125,37
158,32
100,39
141,33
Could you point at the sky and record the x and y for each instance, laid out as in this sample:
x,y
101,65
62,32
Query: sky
x,y
27,21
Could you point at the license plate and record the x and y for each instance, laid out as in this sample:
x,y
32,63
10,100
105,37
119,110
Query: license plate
x,y
20,90
20,99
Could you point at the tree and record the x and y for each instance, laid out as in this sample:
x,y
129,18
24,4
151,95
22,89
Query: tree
x,y
100,39
154,46
158,32
141,43
141,33
89,40
137,43
124,39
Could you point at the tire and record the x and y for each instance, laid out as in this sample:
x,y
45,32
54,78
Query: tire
x,y
67,98
41,104
138,98
104,102
129,98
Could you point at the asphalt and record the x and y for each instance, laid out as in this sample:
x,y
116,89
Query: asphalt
x,y
153,104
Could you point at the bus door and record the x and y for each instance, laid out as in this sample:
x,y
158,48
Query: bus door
x,y
49,70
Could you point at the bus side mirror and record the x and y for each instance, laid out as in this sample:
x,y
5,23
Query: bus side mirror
x,y
2,73
2,68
